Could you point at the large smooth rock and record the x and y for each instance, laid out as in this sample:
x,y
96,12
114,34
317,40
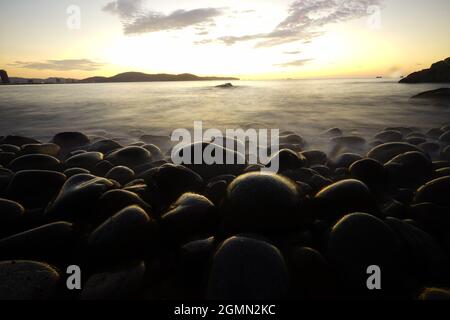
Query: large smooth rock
x,y
69,140
247,269
86,160
28,280
121,282
49,149
104,146
369,171
192,215
172,181
34,189
437,94
315,157
385,152
35,162
287,160
52,239
344,197
125,234
225,161
409,169
121,174
11,214
356,242
436,191
389,136
129,156
435,294
261,202
17,140
77,196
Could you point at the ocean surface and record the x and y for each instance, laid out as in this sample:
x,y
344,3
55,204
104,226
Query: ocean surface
x,y
129,110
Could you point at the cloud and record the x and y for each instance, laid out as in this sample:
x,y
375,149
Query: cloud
x,y
305,20
295,63
292,52
60,65
137,20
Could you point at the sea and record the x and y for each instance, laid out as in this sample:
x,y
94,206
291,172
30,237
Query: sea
x,y
127,111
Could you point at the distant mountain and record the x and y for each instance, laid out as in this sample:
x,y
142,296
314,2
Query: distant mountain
x,y
439,72
143,77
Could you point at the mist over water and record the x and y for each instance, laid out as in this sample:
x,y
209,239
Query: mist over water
x,y
130,110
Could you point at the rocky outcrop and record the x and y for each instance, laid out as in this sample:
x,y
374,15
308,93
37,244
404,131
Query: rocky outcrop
x,y
4,77
439,72
441,94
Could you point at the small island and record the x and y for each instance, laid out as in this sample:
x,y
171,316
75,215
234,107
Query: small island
x,y
122,77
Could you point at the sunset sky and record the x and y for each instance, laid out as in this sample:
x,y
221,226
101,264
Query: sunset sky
x,y
251,39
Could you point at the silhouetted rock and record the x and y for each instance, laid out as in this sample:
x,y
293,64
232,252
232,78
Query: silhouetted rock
x,y
441,93
225,85
439,72
4,77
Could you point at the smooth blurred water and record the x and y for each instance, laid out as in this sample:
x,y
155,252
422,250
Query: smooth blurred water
x,y
133,109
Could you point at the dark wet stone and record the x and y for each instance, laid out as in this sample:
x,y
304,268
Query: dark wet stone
x,y
76,197
344,160
440,164
35,162
385,152
192,215
395,209
6,158
343,197
318,182
126,234
435,191
104,146
445,137
416,140
102,168
216,191
286,160
315,157
430,147
435,133
349,141
356,242
389,136
17,140
122,282
34,189
446,153
322,170
261,202
49,149
417,135
434,294
68,140
247,269
230,162
421,257
74,171
292,139
173,181
51,239
121,174
334,132
113,201
11,214
130,157
28,280
442,172
433,218
156,152
310,275
5,178
404,130
409,169
86,160
9,148
369,171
